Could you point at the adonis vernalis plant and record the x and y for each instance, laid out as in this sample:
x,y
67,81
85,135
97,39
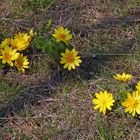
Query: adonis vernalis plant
x,y
8,55
22,63
132,103
22,40
126,97
70,59
103,101
58,48
62,34
138,87
123,78
55,45
5,42
10,50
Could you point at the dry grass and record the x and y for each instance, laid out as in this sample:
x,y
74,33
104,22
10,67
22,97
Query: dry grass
x,y
52,104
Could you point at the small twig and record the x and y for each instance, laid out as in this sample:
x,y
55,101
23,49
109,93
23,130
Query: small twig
x,y
134,11
34,117
15,20
114,54
60,20
94,54
69,20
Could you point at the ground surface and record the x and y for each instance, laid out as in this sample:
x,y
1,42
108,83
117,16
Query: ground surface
x,y
49,103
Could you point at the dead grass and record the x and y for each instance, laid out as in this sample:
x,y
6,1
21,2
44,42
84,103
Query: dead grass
x,y
54,104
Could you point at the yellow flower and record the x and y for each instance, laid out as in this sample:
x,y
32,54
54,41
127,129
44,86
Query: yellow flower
x,y
8,55
62,34
5,42
22,63
132,103
70,59
124,77
104,101
21,41
31,33
138,86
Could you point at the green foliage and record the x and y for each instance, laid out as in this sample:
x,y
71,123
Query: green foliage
x,y
50,47
20,7
46,26
103,130
122,92
9,92
35,4
137,34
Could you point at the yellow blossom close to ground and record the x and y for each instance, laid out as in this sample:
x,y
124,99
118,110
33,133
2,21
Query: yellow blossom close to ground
x,y
132,103
8,55
32,34
22,63
103,101
62,34
123,78
22,40
5,42
138,87
70,59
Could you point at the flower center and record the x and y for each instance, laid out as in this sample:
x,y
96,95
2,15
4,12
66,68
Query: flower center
x,y
62,36
104,102
20,63
134,103
70,58
7,56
